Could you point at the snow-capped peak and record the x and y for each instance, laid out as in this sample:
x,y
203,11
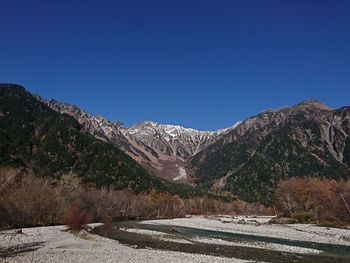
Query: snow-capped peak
x,y
174,139
147,127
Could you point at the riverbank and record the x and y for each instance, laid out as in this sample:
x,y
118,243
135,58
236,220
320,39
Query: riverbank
x,y
245,238
55,244
260,226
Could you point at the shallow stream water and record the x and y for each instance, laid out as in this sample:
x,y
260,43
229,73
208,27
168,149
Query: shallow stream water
x,y
329,253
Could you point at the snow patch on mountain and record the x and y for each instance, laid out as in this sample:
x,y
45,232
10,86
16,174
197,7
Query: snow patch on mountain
x,y
174,139
182,174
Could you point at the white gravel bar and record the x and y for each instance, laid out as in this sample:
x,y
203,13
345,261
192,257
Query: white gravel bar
x,y
259,226
263,245
158,235
56,245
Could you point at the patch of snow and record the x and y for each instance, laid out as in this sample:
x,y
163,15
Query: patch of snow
x,y
182,174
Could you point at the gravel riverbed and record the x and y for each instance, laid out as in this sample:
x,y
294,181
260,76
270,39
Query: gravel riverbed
x,y
259,226
55,244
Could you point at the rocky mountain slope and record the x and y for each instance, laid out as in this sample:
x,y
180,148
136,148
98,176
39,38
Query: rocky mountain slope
x,y
161,149
308,139
37,138
174,145
248,159
173,139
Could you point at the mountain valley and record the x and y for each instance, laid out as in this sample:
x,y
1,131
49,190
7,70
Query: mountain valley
x,y
247,159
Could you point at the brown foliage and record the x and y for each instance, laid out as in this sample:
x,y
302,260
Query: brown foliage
x,y
313,199
75,217
206,206
167,205
28,200
108,226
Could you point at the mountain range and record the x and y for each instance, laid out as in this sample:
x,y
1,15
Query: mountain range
x,y
247,159
36,139
162,149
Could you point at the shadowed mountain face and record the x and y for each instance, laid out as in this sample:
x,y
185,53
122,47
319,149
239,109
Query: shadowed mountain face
x,y
309,139
248,159
35,137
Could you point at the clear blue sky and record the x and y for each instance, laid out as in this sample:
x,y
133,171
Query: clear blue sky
x,y
201,64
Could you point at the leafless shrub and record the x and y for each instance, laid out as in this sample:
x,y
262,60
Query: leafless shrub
x,y
75,217
108,225
31,201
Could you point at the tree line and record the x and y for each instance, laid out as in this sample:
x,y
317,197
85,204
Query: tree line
x,y
28,200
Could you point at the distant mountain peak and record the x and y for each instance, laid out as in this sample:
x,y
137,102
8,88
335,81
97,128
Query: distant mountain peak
x,y
314,103
148,122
